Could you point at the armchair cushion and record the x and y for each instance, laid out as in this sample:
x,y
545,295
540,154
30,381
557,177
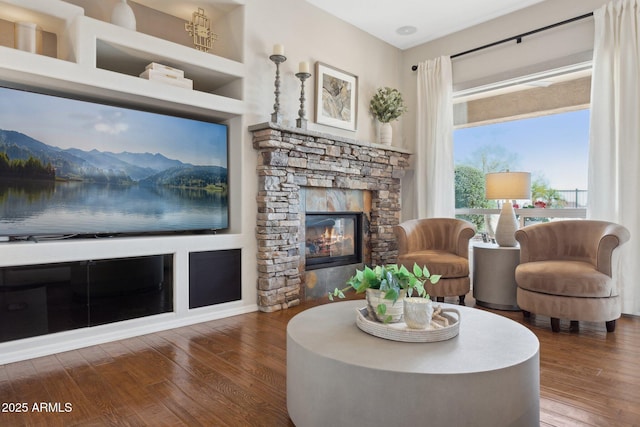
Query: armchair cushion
x,y
566,278
441,262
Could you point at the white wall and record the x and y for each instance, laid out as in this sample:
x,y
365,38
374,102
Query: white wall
x,y
568,44
310,34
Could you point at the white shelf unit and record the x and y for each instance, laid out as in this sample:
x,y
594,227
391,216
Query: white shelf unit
x,y
101,61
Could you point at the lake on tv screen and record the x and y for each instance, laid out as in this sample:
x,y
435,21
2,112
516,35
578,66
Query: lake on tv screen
x,y
79,208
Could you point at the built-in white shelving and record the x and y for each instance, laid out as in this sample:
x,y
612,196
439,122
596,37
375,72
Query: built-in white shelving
x,y
101,61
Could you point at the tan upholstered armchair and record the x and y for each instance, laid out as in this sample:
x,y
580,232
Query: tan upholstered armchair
x,y
442,244
568,271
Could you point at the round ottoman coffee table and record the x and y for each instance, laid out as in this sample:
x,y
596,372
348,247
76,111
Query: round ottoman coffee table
x,y
338,375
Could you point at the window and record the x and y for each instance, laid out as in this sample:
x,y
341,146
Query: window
x,y
525,130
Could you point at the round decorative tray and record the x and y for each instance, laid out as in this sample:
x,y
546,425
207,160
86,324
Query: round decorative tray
x,y
401,332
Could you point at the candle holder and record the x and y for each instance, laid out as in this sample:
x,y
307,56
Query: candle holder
x,y
301,121
275,116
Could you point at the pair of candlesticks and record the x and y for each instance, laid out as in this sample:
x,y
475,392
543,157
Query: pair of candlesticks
x,y
303,74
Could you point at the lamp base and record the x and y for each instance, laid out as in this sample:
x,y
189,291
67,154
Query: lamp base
x,y
507,226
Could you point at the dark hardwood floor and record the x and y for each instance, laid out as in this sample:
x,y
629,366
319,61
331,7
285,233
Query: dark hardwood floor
x,y
232,372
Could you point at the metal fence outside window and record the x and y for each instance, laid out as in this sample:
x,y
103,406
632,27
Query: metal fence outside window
x,y
574,198
572,205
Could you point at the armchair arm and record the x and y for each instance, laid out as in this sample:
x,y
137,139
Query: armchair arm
x,y
465,231
613,236
402,239
522,236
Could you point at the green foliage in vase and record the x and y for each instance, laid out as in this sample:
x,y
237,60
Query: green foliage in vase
x,y
387,104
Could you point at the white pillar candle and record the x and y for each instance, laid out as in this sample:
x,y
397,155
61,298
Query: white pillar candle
x,y
304,67
278,49
27,36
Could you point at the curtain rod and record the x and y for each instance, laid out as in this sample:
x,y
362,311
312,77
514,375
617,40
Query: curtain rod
x,y
517,38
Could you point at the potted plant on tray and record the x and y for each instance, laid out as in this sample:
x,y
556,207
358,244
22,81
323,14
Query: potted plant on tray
x,y
386,284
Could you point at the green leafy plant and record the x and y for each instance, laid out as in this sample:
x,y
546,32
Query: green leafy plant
x,y
387,104
390,279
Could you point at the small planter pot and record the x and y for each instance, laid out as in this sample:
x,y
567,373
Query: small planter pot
x,y
395,311
418,312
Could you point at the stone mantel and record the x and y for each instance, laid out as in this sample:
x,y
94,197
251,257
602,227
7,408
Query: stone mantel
x,y
293,158
323,135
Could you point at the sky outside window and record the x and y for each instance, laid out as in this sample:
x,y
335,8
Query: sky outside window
x,y
554,147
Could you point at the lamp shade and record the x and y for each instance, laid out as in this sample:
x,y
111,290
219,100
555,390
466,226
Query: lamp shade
x,y
508,185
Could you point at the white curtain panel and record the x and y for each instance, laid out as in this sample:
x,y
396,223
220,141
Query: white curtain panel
x,y
614,147
434,180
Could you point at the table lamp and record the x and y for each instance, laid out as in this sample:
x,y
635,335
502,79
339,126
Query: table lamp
x,y
507,186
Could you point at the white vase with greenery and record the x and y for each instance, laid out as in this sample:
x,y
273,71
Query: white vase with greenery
x,y
386,105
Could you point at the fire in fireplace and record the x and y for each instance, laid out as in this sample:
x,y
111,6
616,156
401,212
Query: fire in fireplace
x,y
333,239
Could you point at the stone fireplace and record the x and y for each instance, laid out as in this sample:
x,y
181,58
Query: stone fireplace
x,y
342,184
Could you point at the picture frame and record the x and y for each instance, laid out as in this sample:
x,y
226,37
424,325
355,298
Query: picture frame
x,y
336,97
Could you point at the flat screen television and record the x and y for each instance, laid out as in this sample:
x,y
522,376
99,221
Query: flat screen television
x,y
71,167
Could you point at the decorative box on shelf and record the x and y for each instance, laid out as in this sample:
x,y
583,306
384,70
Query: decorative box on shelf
x,y
167,75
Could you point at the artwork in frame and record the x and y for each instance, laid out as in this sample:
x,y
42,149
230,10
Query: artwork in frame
x,y
336,97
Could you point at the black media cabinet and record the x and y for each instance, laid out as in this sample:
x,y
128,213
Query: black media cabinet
x,y
47,298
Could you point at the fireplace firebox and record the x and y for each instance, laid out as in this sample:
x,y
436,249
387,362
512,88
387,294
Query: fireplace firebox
x,y
332,239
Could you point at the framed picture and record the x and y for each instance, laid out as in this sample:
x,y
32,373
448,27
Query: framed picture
x,y
336,97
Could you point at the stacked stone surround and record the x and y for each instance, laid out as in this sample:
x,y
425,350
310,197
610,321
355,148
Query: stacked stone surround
x,y
292,158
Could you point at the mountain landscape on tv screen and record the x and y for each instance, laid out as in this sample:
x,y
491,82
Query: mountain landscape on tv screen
x,y
21,155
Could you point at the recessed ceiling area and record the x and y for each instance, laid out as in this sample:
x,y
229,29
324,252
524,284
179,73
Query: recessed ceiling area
x,y
184,8
392,20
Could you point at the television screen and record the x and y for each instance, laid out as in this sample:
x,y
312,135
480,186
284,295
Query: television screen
x,y
72,167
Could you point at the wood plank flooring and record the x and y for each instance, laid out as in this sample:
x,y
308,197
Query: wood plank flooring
x,y
231,372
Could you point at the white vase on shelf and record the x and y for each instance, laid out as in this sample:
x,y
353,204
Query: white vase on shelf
x,y
122,16
386,134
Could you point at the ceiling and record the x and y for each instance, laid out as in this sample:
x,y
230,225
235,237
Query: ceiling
x,y
392,20
431,19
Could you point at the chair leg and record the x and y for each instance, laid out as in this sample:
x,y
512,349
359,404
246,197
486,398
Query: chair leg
x,y
555,324
575,326
526,314
611,325
461,298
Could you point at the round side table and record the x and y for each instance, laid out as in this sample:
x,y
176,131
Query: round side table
x,y
494,281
